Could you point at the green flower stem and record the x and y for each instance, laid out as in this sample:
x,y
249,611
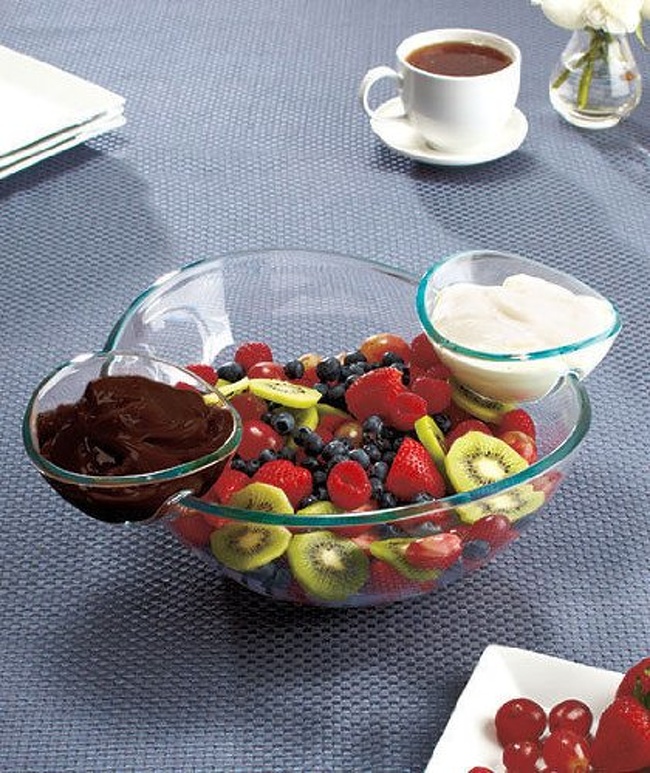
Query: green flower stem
x,y
598,50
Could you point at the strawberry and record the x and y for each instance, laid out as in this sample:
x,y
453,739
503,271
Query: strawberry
x,y
348,485
519,420
522,443
206,372
469,425
439,551
636,681
622,740
248,405
406,409
226,484
436,391
423,355
374,392
295,481
252,352
413,472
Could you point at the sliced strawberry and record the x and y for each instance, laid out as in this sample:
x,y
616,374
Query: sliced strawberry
x,y
248,405
251,352
520,442
348,485
439,551
206,372
225,486
295,481
406,409
519,420
374,393
413,472
469,425
436,391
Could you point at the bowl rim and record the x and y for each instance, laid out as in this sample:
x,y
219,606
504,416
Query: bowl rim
x,y
168,474
401,512
538,354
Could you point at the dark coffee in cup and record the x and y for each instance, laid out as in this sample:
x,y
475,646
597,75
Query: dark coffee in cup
x,y
458,58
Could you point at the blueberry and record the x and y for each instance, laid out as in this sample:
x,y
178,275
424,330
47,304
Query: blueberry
x,y
373,425
443,421
357,369
252,466
476,549
306,501
294,369
421,498
301,435
310,463
287,452
313,444
334,448
328,369
390,530
360,456
387,500
351,379
320,387
342,457
238,464
267,455
231,371
321,493
379,470
352,358
319,477
376,488
388,457
335,393
283,422
425,529
373,451
390,358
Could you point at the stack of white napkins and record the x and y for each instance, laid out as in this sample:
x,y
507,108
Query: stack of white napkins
x,y
46,110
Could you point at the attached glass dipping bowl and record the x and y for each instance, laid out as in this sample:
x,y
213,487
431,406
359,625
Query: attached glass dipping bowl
x,y
312,302
520,376
133,497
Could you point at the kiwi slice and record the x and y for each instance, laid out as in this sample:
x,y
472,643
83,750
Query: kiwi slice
x,y
433,439
274,390
322,507
230,388
482,407
261,497
392,551
248,546
306,417
327,567
515,504
329,410
476,459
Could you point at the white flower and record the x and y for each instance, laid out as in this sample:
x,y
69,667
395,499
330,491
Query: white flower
x,y
615,16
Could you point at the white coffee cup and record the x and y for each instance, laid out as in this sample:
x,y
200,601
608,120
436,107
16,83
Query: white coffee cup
x,y
452,112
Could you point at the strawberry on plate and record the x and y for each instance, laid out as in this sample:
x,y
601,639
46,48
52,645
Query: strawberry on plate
x,y
622,740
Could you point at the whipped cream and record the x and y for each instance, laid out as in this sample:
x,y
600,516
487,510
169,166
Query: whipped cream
x,y
524,315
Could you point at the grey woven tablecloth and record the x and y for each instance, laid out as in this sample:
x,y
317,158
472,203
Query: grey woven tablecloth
x,y
119,650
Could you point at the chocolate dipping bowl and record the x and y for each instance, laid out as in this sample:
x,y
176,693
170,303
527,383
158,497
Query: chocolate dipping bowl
x,y
131,497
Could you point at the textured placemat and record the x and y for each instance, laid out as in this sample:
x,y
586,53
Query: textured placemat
x,y
120,651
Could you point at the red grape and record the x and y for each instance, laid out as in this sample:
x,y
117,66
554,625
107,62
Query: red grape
x,y
521,756
565,750
571,714
519,719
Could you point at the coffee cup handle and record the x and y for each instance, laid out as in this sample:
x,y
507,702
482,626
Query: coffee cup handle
x,y
369,80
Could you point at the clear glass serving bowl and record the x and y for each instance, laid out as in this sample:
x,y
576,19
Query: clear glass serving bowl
x,y
522,376
133,497
299,302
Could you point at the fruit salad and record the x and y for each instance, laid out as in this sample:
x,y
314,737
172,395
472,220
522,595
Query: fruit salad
x,y
367,431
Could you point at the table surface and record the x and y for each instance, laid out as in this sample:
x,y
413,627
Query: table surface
x,y
121,650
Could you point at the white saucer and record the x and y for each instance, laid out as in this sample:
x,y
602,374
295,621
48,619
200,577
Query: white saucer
x,y
394,130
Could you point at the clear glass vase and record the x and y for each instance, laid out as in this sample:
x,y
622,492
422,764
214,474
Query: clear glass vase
x,y
596,82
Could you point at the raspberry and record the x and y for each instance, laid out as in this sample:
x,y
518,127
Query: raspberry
x,y
296,482
520,421
226,484
348,486
468,425
406,410
435,391
374,393
413,472
206,372
422,352
252,352
256,437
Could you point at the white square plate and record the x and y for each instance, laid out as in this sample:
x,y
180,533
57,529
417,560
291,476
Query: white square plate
x,y
506,672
